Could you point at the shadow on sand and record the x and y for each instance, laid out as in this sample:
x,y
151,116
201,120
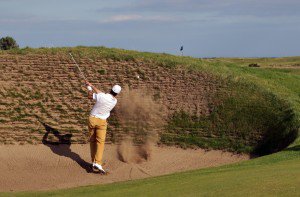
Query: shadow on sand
x,y
62,146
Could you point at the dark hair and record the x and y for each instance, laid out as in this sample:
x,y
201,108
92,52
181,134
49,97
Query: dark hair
x,y
113,93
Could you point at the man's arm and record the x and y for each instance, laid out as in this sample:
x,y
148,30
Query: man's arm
x,y
90,92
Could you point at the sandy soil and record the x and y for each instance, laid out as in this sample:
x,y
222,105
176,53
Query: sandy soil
x,y
41,167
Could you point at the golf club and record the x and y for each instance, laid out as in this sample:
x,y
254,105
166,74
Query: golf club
x,y
82,75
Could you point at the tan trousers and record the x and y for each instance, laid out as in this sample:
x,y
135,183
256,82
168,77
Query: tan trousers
x,y
97,130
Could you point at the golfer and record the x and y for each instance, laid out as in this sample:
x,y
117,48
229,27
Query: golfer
x,y
97,123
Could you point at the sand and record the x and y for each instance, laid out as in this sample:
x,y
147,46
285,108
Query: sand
x,y
50,167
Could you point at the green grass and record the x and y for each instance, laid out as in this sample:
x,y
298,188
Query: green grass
x,y
258,95
283,84
260,124
289,61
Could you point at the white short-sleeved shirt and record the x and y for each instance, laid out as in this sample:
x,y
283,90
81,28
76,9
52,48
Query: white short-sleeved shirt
x,y
104,104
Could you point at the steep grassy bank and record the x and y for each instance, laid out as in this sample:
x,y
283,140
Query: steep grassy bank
x,y
233,107
243,118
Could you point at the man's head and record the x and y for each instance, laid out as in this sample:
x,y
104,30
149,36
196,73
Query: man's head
x,y
116,89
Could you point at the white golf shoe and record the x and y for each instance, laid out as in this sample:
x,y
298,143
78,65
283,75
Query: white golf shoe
x,y
98,167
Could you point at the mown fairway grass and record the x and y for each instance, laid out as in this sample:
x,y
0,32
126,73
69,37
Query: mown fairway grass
x,y
276,174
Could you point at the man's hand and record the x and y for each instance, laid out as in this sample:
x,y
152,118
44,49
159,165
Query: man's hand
x,y
93,87
90,92
88,83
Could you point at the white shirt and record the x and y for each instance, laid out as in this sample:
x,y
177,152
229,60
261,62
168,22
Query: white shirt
x,y
104,104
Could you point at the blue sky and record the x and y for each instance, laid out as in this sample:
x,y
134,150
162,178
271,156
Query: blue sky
x,y
206,28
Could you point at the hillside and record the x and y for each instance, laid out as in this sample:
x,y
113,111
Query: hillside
x,y
210,103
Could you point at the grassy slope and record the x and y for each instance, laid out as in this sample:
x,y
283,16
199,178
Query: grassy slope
x,y
228,126
279,81
284,83
274,174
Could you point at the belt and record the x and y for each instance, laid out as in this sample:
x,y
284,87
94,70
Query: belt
x,y
96,117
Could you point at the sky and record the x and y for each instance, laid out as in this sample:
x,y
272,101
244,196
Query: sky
x,y
206,28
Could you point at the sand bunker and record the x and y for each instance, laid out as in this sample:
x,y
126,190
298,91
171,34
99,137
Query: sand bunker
x,y
50,167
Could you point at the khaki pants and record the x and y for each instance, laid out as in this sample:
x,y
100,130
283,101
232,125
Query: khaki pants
x,y
97,130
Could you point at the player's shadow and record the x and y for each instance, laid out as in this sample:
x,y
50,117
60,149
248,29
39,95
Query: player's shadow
x,y
62,146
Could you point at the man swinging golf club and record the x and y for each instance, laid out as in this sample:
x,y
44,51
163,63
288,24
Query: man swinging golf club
x,y
97,123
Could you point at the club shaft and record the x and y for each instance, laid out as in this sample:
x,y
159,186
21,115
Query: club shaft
x,y
81,73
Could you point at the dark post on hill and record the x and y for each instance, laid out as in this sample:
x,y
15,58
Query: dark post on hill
x,y
7,43
181,49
